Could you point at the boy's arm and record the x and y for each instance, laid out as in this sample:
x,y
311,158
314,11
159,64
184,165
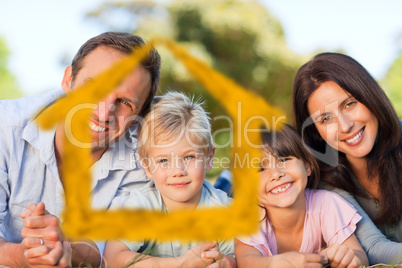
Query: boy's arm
x,y
117,254
12,254
248,256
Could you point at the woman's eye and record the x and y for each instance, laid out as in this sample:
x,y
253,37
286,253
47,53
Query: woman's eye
x,y
350,104
325,119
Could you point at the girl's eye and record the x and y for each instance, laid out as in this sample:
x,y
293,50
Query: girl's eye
x,y
261,169
284,159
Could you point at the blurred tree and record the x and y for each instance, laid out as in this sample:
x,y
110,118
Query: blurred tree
x,y
8,87
241,39
393,84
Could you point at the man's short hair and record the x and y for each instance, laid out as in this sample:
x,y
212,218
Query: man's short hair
x,y
176,116
125,43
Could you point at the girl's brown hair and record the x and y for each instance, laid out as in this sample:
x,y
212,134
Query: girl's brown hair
x,y
286,142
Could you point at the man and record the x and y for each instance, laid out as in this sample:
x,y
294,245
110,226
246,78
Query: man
x,y
31,181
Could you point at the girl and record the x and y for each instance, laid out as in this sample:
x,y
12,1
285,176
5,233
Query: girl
x,y
298,222
345,117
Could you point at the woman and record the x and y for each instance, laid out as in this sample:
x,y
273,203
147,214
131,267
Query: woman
x,y
346,119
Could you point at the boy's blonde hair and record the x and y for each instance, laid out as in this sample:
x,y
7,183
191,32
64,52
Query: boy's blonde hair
x,y
176,116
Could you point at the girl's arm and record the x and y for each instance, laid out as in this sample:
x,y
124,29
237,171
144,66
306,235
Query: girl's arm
x,y
349,254
378,248
117,254
248,256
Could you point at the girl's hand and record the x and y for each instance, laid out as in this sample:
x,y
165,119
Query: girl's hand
x,y
341,256
219,259
295,259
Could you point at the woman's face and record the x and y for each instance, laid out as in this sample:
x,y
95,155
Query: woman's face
x,y
343,122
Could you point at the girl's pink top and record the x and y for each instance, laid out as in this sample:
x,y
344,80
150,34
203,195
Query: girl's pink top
x,y
329,220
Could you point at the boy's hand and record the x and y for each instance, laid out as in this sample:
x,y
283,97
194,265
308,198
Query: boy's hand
x,y
193,258
341,256
219,259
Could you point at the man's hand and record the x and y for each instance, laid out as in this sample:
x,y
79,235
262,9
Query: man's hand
x,y
59,256
43,239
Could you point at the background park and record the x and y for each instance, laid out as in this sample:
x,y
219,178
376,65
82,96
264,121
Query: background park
x,y
259,44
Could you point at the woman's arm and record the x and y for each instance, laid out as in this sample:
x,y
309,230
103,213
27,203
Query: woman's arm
x,y
377,247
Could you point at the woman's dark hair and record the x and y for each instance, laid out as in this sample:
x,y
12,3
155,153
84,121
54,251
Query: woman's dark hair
x,y
286,142
385,159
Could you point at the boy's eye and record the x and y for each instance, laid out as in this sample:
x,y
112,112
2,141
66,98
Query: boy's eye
x,y
189,157
162,160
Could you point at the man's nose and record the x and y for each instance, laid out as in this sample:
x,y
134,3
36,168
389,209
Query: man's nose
x,y
105,108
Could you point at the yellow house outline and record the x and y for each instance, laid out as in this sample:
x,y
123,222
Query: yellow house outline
x,y
240,218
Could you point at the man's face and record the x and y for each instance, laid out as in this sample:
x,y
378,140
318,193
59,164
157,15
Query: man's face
x,y
117,112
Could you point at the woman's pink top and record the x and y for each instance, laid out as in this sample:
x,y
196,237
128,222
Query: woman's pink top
x,y
329,220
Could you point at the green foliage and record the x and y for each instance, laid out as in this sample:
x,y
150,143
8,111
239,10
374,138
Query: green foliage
x,y
241,39
393,85
8,87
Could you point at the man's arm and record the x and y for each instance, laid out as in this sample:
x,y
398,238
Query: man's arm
x,y
12,254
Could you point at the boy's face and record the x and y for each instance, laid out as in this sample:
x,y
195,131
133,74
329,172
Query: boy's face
x,y
178,169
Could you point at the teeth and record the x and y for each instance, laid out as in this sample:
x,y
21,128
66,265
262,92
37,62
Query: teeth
x,y
355,137
96,127
281,189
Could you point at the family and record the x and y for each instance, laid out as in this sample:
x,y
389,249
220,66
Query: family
x,y
330,185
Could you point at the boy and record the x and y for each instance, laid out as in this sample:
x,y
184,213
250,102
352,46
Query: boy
x,y
176,149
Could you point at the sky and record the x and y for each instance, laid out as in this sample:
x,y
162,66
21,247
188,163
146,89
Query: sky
x,y
39,33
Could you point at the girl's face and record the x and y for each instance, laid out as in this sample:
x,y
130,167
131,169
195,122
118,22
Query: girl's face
x,y
343,122
283,181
